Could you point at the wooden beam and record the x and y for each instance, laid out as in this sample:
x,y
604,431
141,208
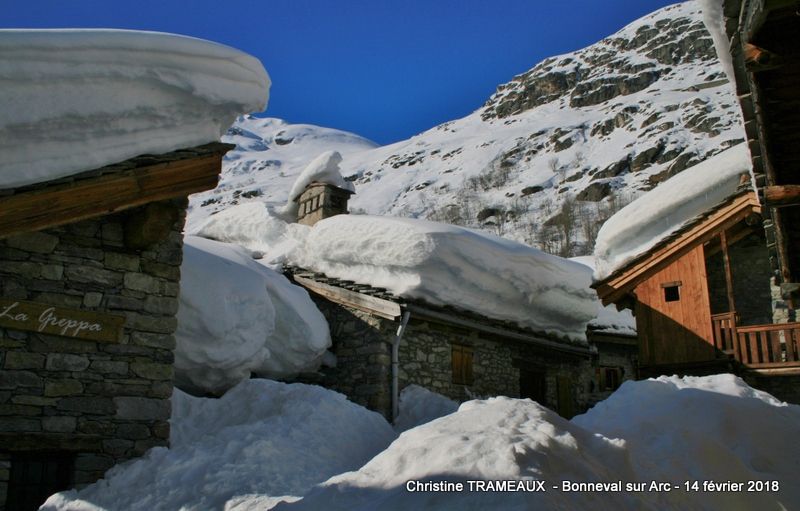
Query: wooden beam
x,y
367,303
758,59
782,195
726,261
84,198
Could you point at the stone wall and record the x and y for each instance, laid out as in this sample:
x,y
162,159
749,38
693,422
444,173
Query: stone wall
x,y
613,352
362,344
105,402
363,347
751,281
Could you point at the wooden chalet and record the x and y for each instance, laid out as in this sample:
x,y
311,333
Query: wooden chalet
x,y
702,298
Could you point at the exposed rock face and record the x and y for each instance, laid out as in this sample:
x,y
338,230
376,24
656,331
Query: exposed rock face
x,y
611,120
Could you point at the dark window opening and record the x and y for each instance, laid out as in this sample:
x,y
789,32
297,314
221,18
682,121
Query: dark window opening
x,y
533,385
462,364
672,291
610,378
36,476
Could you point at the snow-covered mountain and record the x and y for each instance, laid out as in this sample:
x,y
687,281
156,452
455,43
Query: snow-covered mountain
x,y
545,160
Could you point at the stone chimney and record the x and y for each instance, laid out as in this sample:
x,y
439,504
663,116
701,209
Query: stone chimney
x,y
321,200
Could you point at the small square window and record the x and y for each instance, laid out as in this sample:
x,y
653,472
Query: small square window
x,y
672,291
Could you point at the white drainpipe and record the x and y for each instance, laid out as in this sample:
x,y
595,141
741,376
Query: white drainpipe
x,y
396,365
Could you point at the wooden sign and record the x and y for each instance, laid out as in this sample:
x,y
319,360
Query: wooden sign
x,y
47,319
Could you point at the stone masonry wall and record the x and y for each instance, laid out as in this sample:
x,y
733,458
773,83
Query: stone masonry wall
x,y
362,344
363,347
106,402
426,360
751,281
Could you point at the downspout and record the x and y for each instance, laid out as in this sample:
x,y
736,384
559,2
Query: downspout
x,y
396,365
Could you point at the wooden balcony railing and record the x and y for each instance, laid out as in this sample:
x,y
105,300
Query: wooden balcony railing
x,y
757,346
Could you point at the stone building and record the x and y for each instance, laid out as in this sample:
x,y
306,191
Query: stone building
x,y
89,283
384,342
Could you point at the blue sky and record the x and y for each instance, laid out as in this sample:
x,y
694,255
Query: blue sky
x,y
383,69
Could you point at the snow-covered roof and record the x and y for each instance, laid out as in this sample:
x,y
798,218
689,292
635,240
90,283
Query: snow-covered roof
x,y
608,320
653,217
450,265
75,100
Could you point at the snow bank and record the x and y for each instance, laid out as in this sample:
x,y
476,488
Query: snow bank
x,y
450,265
261,442
75,100
652,217
325,169
419,405
666,430
237,317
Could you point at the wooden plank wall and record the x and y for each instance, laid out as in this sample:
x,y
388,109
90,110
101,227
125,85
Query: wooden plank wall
x,y
679,331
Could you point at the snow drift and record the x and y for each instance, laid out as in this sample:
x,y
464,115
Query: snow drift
x,y
643,223
419,405
665,430
75,100
237,317
261,442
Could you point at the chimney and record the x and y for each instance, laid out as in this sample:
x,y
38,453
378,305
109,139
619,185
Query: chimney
x,y
321,200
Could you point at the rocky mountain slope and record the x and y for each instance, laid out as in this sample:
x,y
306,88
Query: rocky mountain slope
x,y
545,160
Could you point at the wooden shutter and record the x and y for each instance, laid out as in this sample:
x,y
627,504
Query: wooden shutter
x,y
462,364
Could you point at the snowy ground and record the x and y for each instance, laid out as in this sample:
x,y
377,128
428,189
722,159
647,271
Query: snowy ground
x,y
264,441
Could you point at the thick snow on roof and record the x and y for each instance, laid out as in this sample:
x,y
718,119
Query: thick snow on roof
x,y
75,100
237,317
450,265
260,443
645,222
608,319
667,430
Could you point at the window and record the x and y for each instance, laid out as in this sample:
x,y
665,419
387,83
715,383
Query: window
x,y
462,364
672,291
610,378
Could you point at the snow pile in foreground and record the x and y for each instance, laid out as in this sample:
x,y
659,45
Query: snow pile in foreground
x,y
450,265
665,430
237,317
652,217
419,405
260,442
75,100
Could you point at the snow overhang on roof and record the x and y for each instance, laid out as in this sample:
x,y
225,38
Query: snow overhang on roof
x,y
638,228
75,100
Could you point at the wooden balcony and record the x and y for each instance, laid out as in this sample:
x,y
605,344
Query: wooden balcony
x,y
772,346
